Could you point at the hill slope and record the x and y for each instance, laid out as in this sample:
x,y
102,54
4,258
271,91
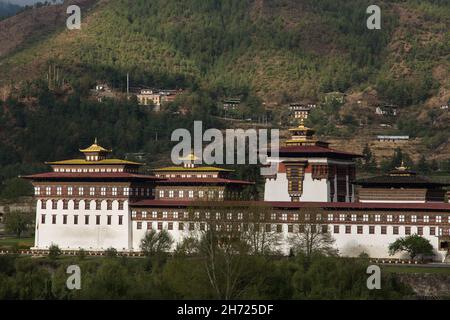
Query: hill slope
x,y
281,50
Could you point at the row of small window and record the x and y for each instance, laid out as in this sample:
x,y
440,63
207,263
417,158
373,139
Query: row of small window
x,y
81,170
186,175
384,230
279,228
386,218
294,217
87,204
364,218
92,191
75,219
185,215
190,193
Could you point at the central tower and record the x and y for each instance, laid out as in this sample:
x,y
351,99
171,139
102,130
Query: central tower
x,y
309,170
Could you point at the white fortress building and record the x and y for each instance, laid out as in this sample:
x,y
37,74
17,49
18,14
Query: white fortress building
x,y
98,202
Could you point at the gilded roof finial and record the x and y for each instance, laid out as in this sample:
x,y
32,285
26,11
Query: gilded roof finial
x,y
95,140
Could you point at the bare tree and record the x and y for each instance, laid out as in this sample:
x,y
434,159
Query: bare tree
x,y
312,236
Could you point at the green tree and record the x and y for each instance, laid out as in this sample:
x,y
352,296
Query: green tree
x,y
155,242
414,245
54,251
18,222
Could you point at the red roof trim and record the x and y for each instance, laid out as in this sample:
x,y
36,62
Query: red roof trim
x,y
316,150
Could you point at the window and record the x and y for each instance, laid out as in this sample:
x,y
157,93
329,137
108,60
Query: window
x,y
365,217
75,219
191,193
295,216
240,216
76,204
170,226
426,219
144,214
120,220
58,191
342,217
324,228
65,219
401,218
420,231
432,231
65,204
139,225
44,204
181,226
126,191
354,218
201,194
97,220
108,220
360,229
181,194
407,230
87,205
336,229
229,216
120,205
438,219
37,191
383,230
268,228
54,204
389,218
290,228
395,230
160,225
413,218
149,226
98,205
43,219
54,219
103,191
284,217
70,191
86,219
48,191
109,205
164,214
114,191
80,191
92,191
371,229
377,218
217,215
171,194
348,229
330,217
273,216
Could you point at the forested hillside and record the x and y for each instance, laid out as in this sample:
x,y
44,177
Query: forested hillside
x,y
270,51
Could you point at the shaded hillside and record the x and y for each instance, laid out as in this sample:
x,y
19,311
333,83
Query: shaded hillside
x,y
278,50
8,9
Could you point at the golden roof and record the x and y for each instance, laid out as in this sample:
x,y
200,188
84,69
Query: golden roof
x,y
95,148
189,157
103,161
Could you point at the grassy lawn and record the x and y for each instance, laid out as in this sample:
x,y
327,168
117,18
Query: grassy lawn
x,y
416,269
22,243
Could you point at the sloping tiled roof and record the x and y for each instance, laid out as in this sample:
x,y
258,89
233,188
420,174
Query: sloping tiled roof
x,y
315,151
398,180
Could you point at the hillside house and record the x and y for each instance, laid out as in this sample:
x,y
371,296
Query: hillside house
x,y
386,110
